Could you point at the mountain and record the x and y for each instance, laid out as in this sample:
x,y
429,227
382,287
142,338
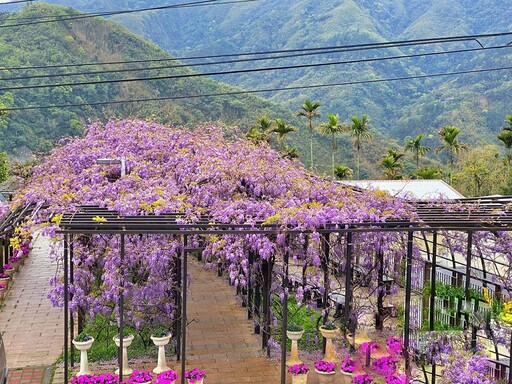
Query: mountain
x,y
476,102
51,45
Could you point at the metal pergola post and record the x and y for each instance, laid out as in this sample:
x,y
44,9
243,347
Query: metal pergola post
x,y
284,323
121,312
184,311
348,281
433,278
407,315
66,309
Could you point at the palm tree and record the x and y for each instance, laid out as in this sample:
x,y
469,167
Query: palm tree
x,y
429,173
343,172
508,127
506,138
418,149
282,129
260,132
332,128
450,145
392,164
309,111
359,130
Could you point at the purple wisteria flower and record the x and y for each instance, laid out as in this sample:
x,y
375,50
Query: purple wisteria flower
x,y
298,369
194,375
325,366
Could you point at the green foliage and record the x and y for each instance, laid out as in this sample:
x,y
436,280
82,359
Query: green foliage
x,y
4,167
104,329
83,336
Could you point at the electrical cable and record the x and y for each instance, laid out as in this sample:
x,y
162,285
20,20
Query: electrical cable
x,y
139,69
17,1
175,76
338,48
242,92
201,3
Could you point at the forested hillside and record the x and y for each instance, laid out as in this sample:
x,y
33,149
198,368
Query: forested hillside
x,y
90,41
476,102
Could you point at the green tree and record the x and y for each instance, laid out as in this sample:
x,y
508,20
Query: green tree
x,y
505,137
392,164
508,127
417,148
343,172
429,173
309,111
332,128
480,172
4,167
260,132
451,145
282,129
359,130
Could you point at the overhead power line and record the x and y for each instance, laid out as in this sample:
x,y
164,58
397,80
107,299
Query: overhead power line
x,y
180,76
139,69
53,19
17,1
267,90
337,48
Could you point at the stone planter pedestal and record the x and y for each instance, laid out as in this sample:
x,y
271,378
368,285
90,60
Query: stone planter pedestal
x,y
83,347
294,355
127,341
161,342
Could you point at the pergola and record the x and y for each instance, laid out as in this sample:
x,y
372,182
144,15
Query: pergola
x,y
467,216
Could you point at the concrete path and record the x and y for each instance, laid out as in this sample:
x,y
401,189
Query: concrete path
x,y
32,329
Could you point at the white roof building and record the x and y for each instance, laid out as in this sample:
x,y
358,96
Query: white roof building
x,y
409,189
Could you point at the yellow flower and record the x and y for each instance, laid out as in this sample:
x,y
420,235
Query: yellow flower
x,y
99,219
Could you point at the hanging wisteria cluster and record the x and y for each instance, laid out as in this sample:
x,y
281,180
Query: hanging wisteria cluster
x,y
196,173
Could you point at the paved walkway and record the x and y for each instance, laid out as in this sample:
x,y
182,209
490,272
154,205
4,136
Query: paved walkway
x,y
32,328
220,338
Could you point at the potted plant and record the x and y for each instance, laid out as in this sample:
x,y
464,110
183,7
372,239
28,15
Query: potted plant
x,y
167,377
9,269
140,377
294,332
15,261
362,379
161,336
83,342
4,279
127,341
299,373
106,378
195,376
347,369
2,291
326,371
329,331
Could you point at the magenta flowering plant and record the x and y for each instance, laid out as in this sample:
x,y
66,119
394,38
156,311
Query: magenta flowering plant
x,y
83,379
325,366
385,366
166,377
298,369
4,276
362,379
140,376
106,378
394,345
194,375
396,379
363,349
8,266
348,365
14,259
2,286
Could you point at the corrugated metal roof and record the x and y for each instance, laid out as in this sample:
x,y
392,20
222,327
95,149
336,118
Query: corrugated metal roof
x,y
410,189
